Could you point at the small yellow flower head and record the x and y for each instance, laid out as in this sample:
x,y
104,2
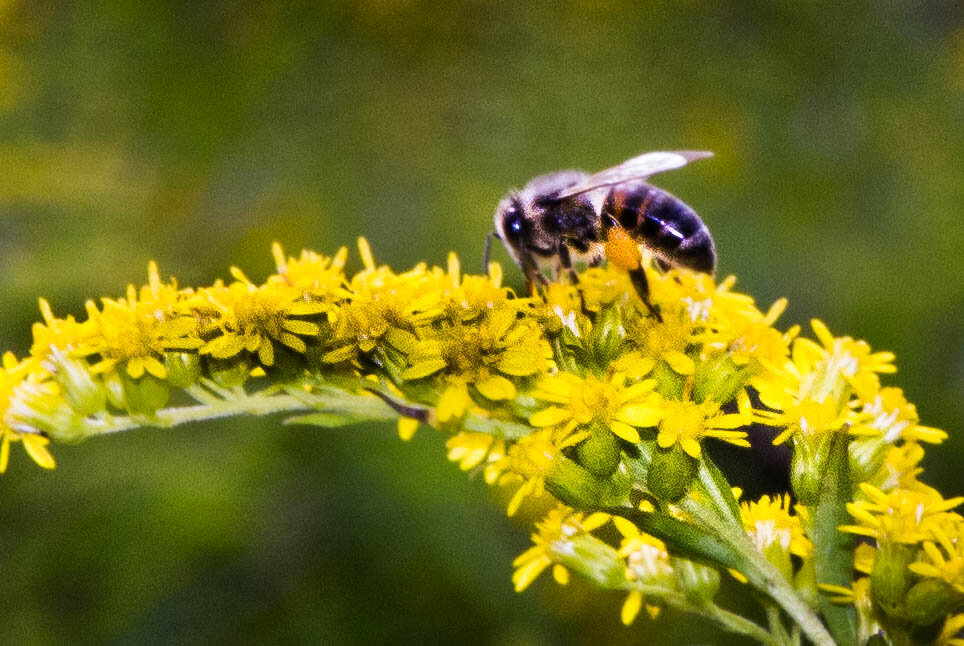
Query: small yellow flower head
x,y
578,402
321,277
556,535
944,552
686,422
647,564
21,381
899,516
775,532
471,450
769,522
951,633
889,416
253,319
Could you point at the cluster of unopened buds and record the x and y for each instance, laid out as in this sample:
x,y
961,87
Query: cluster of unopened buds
x,y
579,395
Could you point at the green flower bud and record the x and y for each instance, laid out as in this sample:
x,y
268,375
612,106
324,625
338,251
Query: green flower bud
x,y
671,472
183,368
890,579
39,410
146,394
866,456
699,582
669,383
85,393
719,380
807,467
617,488
930,601
593,559
229,372
288,364
115,390
574,485
599,453
606,337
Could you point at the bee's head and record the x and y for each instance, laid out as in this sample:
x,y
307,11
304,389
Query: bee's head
x,y
510,223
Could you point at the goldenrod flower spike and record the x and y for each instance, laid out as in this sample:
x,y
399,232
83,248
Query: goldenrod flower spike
x,y
577,394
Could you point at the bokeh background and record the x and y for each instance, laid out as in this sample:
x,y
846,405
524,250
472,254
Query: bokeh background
x,y
196,133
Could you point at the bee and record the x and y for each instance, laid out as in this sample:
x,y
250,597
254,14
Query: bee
x,y
571,216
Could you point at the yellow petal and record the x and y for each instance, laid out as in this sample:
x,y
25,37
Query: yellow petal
x,y
736,574
155,367
665,440
639,415
252,342
496,388
624,431
631,607
550,417
637,390
560,574
223,347
343,353
679,362
407,427
822,332
266,353
595,521
4,452
518,364
732,420
528,573
423,369
453,403
293,342
304,328
36,446
691,447
307,309
625,527
404,340
500,321
135,367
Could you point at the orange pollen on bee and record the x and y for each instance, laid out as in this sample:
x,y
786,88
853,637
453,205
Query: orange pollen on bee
x,y
621,250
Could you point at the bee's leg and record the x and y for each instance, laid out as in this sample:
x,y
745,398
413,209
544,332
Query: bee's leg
x,y
565,263
487,251
638,278
534,277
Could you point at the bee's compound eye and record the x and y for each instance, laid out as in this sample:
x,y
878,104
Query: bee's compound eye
x,y
512,221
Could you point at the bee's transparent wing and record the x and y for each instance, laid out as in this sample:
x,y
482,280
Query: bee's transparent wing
x,y
637,168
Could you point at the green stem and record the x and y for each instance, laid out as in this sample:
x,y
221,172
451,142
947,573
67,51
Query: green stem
x,y
229,403
737,624
764,576
725,619
776,624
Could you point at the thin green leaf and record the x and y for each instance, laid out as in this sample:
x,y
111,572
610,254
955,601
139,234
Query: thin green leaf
x,y
716,486
833,549
683,539
502,428
325,420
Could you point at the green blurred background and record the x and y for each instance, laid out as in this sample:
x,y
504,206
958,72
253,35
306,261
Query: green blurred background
x,y
196,133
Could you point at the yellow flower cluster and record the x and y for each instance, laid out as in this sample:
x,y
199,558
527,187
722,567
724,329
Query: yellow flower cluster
x,y
578,392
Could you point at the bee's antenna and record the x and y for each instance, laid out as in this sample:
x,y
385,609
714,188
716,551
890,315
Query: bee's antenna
x,y
487,251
